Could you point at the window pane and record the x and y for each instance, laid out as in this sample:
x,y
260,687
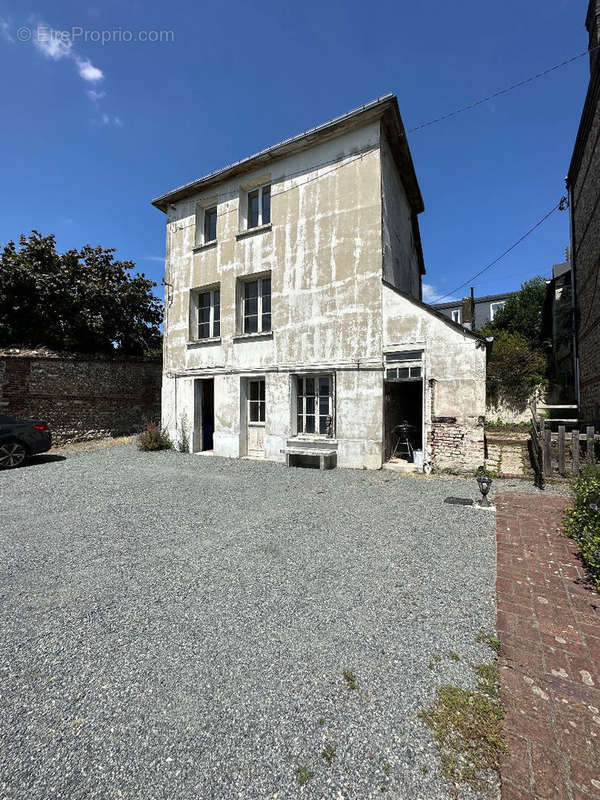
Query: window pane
x,y
217,328
392,374
415,372
310,425
253,209
261,393
204,315
403,372
324,384
310,385
261,412
203,330
204,300
251,289
217,304
266,205
324,405
253,390
266,303
322,424
266,322
251,306
251,324
253,412
265,286
299,424
210,224
310,405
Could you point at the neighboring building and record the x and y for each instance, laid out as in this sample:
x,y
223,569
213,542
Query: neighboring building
x,y
477,309
583,183
293,317
558,326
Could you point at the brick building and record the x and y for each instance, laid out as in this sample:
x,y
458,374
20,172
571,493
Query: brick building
x,y
583,183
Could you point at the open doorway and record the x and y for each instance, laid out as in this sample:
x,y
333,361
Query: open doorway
x,y
403,415
204,414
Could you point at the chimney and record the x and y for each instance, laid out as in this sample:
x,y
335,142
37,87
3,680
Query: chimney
x,y
467,314
592,23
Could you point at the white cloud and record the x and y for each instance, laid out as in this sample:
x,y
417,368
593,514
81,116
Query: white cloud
x,y
110,119
56,45
432,295
95,96
88,71
5,31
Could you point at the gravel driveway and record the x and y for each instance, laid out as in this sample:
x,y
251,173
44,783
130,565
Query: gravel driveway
x,y
178,627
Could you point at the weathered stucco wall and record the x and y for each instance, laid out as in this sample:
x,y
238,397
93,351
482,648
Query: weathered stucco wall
x,y
401,265
454,375
324,252
81,398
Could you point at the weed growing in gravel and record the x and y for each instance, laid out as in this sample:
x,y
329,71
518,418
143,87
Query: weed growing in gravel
x,y
386,770
452,655
322,721
303,774
492,641
153,438
467,728
350,679
328,753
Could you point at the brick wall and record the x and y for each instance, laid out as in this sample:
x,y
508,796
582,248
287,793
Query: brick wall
x,y
81,398
455,446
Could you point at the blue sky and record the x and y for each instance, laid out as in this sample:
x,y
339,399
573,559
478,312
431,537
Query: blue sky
x,y
91,132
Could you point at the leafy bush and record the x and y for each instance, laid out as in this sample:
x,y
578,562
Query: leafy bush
x,y
153,438
514,371
582,519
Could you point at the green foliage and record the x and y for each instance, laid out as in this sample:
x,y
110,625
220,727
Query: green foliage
x,y
81,301
350,678
514,371
329,753
492,641
303,775
582,519
523,313
183,445
153,438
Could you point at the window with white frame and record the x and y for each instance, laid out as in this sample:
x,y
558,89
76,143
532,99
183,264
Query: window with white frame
x,y
259,206
210,224
206,223
206,313
314,403
495,308
256,400
456,315
256,305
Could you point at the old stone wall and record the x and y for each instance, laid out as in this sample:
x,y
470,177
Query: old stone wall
x,y
81,398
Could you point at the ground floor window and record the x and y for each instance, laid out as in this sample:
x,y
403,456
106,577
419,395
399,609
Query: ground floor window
x,y
315,404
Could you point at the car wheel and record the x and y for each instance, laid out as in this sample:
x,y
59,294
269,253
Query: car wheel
x,y
12,454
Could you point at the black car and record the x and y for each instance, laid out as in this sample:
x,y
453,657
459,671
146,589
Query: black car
x,y
21,438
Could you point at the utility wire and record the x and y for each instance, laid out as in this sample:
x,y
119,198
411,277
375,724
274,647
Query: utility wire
x,y
560,206
502,91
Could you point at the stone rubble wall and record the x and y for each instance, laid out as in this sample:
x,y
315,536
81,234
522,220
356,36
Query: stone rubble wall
x,y
81,398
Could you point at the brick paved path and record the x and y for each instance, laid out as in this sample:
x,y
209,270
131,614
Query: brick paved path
x,y
549,629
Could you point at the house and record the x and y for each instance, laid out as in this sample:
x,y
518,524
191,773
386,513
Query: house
x,y
294,324
473,312
584,203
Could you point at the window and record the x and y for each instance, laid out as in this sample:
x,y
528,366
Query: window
x,y
256,306
494,308
404,373
456,315
256,400
207,306
315,403
210,225
259,207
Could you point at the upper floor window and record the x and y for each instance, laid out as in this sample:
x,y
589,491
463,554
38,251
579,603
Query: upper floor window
x,y
259,206
456,315
495,308
256,305
210,224
205,314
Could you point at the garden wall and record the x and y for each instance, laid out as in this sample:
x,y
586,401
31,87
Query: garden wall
x,y
81,398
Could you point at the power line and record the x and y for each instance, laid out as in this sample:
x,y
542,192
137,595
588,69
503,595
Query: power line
x,y
561,205
503,91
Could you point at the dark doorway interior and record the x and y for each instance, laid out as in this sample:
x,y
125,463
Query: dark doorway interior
x,y
403,403
208,413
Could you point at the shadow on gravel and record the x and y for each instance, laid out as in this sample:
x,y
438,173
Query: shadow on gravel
x,y
45,458
458,501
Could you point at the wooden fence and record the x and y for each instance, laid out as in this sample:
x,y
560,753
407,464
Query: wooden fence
x,y
561,453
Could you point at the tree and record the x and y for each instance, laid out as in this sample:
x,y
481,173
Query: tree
x,y
514,371
81,301
523,313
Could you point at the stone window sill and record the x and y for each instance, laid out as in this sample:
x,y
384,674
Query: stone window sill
x,y
253,231
202,342
241,336
301,438
205,246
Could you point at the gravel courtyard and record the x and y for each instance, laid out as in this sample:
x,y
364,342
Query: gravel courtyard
x,y
178,627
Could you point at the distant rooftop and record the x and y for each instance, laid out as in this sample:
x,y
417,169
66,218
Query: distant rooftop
x,y
488,298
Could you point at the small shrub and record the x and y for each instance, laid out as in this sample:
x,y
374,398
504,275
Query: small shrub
x,y
582,519
303,775
183,445
153,438
329,753
350,679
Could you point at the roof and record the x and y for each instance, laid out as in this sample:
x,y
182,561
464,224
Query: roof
x,y
488,298
383,108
